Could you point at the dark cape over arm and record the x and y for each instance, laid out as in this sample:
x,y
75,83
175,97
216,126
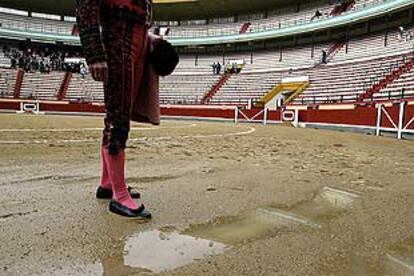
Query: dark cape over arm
x,y
88,17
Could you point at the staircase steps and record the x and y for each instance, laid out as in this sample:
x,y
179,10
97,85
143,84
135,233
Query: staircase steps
x,y
337,10
19,83
341,8
388,79
210,94
244,28
64,86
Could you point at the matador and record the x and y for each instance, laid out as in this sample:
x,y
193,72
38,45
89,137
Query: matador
x,y
114,36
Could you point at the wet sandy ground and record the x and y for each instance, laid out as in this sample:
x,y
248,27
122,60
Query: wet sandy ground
x,y
226,200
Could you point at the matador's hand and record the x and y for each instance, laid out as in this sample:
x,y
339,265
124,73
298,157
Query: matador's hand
x,y
99,71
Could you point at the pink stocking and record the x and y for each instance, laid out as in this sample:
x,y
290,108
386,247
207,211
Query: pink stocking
x,y
116,166
105,180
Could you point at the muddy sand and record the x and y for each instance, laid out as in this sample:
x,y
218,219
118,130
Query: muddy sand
x,y
226,200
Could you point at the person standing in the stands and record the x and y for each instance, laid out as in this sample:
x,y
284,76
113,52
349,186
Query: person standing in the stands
x,y
114,35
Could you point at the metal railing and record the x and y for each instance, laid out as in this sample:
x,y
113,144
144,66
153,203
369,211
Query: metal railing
x,y
388,70
354,98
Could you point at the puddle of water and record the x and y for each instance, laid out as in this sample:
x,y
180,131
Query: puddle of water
x,y
283,218
350,264
338,198
233,230
147,252
159,251
397,265
325,204
400,260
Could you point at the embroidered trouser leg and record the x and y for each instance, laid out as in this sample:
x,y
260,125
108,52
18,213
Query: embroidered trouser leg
x,y
125,45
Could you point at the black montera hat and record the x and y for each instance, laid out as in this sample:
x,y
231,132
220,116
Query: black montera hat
x,y
164,58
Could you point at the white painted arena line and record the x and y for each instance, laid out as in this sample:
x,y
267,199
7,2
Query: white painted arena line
x,y
43,142
242,133
88,129
80,141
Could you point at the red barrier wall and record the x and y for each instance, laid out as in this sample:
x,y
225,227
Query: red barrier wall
x,y
409,114
73,107
10,105
359,116
393,112
192,112
362,116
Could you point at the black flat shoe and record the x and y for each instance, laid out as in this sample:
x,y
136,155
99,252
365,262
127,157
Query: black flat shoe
x,y
119,209
103,193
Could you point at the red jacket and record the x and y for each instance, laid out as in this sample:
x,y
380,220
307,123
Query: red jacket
x,y
145,102
146,107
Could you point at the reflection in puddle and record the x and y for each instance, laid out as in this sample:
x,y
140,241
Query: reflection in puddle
x,y
400,261
397,265
326,204
350,264
233,230
158,251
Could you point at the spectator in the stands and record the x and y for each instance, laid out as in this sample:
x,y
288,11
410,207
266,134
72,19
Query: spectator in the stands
x,y
214,66
167,31
402,33
324,57
83,71
234,68
157,30
218,71
6,50
13,63
37,58
42,66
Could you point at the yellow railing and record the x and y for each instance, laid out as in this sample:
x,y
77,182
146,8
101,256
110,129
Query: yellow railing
x,y
299,89
294,87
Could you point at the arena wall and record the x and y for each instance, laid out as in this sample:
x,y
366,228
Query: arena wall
x,y
347,117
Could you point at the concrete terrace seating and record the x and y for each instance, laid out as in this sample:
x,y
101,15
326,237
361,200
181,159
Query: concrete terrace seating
x,y
362,4
367,47
262,59
276,19
345,77
41,86
296,57
175,89
373,45
84,90
242,88
186,89
4,61
343,82
281,18
21,22
403,87
203,66
7,83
